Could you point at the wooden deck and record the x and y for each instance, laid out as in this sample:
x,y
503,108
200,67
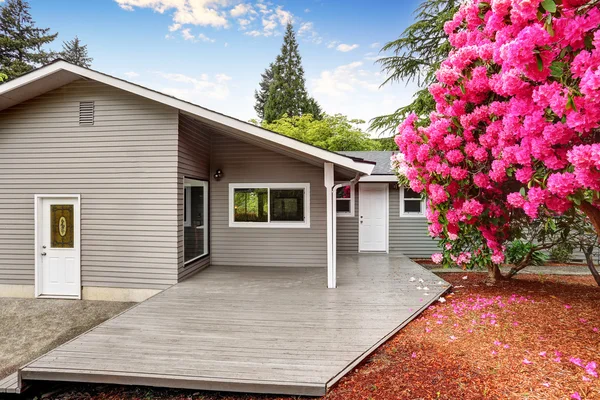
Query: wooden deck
x,y
250,329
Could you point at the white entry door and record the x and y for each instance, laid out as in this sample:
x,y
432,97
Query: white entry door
x,y
373,217
58,241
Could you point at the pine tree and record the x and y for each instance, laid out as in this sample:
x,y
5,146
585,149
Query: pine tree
x,y
262,94
76,53
20,40
287,92
417,54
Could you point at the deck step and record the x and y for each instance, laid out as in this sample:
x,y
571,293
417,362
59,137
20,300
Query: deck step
x,y
10,384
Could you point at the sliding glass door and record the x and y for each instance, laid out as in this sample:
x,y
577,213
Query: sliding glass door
x,y
195,219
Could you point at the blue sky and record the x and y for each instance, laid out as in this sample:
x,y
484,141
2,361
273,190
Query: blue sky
x,y
212,52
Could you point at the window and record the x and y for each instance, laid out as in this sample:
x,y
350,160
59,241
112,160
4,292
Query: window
x,y
411,203
195,219
269,205
344,201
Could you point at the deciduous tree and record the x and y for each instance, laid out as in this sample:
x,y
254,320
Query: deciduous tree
x,y
516,126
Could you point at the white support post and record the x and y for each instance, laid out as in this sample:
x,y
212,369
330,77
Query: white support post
x,y
329,183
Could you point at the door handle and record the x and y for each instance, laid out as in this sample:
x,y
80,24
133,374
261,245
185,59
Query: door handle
x,y
44,253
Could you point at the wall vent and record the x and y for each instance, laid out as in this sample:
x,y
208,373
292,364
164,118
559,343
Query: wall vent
x,y
86,113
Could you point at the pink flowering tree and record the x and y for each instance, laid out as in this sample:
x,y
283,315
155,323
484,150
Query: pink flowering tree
x,y
516,130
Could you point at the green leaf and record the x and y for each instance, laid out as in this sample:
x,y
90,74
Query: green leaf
x,y
540,62
549,5
522,191
557,68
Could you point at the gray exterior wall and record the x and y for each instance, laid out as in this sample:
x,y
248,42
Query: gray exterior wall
x,y
193,162
278,247
124,167
407,235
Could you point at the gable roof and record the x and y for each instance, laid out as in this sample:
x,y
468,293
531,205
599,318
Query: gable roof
x,y
59,73
383,164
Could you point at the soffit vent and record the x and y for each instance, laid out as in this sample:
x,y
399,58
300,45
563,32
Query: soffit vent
x,y
86,113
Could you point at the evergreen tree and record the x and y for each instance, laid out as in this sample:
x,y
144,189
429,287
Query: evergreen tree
x,y
76,53
262,94
20,40
287,91
417,54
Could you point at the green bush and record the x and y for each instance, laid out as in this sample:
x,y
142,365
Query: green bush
x,y
562,252
518,250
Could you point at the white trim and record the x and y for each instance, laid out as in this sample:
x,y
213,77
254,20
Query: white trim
x,y
404,214
187,207
272,137
328,181
269,223
387,216
37,238
351,200
187,210
379,178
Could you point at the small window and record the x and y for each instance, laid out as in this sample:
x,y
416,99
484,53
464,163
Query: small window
x,y
344,201
411,203
275,205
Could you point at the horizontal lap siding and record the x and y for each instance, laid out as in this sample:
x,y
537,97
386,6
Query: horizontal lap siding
x,y
407,235
299,247
124,167
194,162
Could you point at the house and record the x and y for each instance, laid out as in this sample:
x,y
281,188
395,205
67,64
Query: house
x,y
109,190
400,211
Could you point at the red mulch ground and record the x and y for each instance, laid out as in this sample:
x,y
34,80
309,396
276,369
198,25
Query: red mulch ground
x,y
537,337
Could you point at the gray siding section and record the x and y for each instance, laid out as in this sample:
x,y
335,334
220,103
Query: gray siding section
x,y
246,163
124,167
407,235
194,162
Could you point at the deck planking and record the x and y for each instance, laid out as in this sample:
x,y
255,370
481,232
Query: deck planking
x,y
250,329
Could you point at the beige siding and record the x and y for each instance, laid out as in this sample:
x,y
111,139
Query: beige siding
x,y
124,167
406,235
194,162
245,163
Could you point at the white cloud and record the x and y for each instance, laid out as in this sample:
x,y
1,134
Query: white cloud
x,y
244,23
375,45
307,10
332,44
307,30
194,12
174,27
371,56
205,38
131,74
185,33
226,44
346,47
197,90
241,9
253,33
353,90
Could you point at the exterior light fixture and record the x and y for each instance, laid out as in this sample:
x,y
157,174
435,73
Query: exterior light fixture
x,y
218,175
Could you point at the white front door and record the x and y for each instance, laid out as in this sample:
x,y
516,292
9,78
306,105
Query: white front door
x,y
373,217
58,272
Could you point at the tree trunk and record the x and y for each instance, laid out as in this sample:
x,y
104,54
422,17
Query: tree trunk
x,y
590,263
593,214
494,274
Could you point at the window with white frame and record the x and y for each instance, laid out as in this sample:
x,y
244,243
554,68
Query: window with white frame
x,y
269,205
344,201
411,203
195,219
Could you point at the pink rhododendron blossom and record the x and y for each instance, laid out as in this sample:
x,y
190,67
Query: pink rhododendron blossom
x,y
514,133
437,258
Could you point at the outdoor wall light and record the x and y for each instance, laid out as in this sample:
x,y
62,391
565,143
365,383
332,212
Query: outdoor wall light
x,y
218,175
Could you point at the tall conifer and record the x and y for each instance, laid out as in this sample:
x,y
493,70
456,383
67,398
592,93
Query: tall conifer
x,y
76,53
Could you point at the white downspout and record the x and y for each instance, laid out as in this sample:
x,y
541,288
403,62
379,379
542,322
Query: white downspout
x,y
332,281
